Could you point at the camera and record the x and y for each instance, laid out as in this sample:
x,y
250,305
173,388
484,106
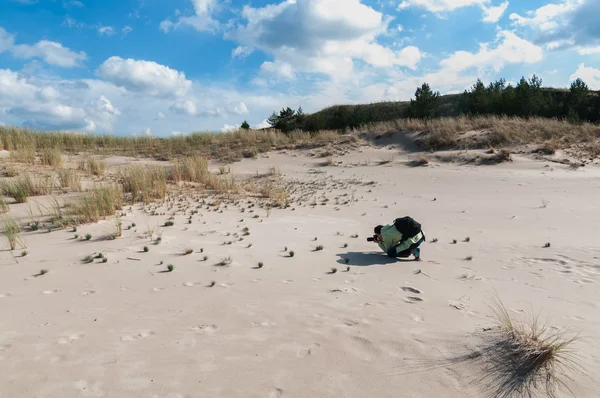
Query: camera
x,y
372,238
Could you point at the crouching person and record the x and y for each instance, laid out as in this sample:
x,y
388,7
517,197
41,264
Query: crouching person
x,y
400,239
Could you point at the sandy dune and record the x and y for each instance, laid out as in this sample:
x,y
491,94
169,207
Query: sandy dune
x,y
124,328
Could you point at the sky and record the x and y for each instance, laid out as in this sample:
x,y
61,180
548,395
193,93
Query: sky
x,y
163,68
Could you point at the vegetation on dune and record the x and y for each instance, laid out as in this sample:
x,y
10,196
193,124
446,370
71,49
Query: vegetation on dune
x,y
12,232
525,99
24,143
96,204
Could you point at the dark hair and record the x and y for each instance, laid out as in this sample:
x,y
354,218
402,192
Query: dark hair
x,y
377,229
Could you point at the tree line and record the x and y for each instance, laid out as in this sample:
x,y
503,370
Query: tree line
x,y
526,99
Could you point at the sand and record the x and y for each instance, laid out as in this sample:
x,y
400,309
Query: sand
x,y
126,328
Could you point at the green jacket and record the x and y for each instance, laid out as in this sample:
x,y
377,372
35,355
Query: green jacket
x,y
391,237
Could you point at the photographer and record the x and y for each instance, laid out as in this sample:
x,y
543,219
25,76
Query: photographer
x,y
400,239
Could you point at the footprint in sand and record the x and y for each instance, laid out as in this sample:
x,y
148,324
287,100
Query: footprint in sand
x,y
584,281
276,393
189,284
52,291
411,290
412,299
88,292
69,338
140,335
158,289
418,319
2,295
287,281
303,353
204,328
4,347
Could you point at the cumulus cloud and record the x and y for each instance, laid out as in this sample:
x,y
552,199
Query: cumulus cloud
x,y
51,52
187,107
509,49
202,19
144,76
589,75
241,52
322,36
229,127
44,106
567,24
494,13
190,107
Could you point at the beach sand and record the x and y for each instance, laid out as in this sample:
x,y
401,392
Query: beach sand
x,y
384,328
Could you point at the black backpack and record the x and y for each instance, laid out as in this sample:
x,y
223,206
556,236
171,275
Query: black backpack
x,y
407,226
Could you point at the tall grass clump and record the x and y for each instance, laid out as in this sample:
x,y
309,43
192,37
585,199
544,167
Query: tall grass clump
x,y
144,183
12,232
19,188
24,155
69,178
51,157
190,169
93,165
99,203
525,356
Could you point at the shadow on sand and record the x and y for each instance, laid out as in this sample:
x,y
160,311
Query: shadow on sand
x,y
366,259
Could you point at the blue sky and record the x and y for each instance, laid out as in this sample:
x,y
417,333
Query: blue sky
x,y
172,67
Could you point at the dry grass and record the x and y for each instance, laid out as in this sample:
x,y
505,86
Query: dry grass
x,y
517,357
449,132
25,155
24,186
225,146
144,183
420,160
51,157
525,356
12,232
99,203
69,178
93,165
190,169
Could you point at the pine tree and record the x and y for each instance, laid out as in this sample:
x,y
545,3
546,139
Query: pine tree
x,y
425,103
245,126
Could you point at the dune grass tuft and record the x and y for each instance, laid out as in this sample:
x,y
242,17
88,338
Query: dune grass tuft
x,y
144,183
526,356
99,203
12,232
51,157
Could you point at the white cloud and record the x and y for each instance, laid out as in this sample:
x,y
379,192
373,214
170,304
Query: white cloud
x,y
229,127
241,52
494,13
589,50
126,30
202,20
72,3
262,125
144,76
187,107
45,106
51,52
160,116
440,5
567,24
589,75
509,49
322,36
106,30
